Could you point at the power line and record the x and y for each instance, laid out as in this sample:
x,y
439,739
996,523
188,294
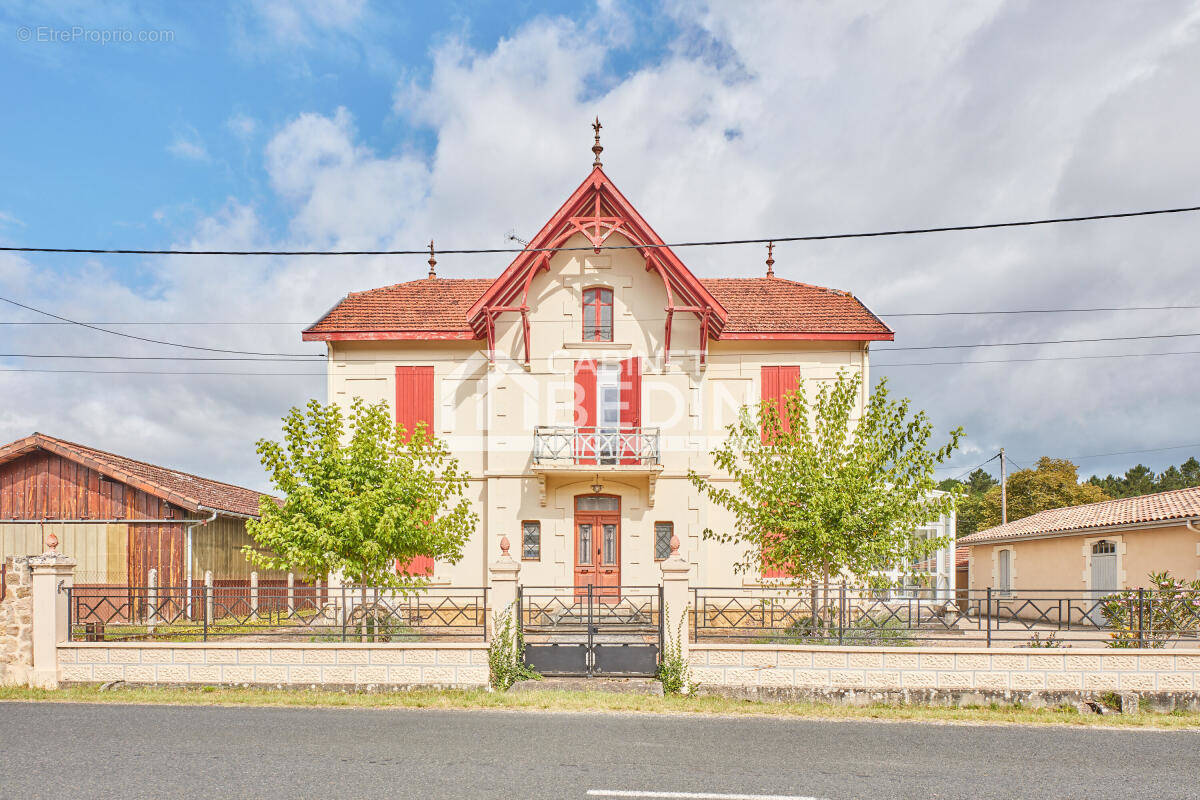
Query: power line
x,y
1133,452
1036,311
712,243
1038,358
89,326
643,319
1047,341
158,358
969,470
168,372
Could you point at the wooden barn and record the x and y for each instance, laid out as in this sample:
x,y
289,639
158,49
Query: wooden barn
x,y
119,518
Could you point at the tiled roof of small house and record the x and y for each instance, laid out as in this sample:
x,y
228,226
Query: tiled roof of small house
x,y
181,488
1177,504
756,306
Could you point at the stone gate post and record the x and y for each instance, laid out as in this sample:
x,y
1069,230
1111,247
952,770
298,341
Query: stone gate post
x,y
676,597
503,590
53,574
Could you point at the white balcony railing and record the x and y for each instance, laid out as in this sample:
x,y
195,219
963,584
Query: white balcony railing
x,y
559,445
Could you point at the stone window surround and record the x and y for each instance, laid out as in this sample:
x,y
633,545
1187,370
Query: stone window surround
x,y
1012,567
1086,576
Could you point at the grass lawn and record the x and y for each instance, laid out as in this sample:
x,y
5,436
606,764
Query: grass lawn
x,y
572,701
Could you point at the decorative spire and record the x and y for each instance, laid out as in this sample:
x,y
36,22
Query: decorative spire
x,y
432,261
596,148
770,259
674,545
504,546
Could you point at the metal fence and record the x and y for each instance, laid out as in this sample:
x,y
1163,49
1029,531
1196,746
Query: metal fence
x,y
844,615
270,613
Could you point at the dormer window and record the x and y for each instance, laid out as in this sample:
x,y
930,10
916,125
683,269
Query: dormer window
x,y
597,314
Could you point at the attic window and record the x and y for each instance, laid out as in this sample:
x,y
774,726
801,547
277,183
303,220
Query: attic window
x,y
597,314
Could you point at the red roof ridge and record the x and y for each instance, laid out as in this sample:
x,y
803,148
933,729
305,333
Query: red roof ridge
x,y
840,292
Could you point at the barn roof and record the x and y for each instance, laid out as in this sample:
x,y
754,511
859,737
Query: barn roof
x,y
181,488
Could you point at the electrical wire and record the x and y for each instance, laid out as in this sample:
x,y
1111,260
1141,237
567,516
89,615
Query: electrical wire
x,y
1047,341
1038,358
710,243
89,326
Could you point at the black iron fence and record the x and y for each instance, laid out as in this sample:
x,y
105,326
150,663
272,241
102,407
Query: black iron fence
x,y
845,615
299,613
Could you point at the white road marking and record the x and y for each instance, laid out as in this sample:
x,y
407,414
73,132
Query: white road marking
x,y
696,795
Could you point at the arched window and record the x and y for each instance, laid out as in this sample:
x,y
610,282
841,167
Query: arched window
x,y
597,314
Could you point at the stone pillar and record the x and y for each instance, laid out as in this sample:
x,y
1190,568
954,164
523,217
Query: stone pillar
x,y
16,623
677,598
254,593
151,597
53,574
208,596
503,589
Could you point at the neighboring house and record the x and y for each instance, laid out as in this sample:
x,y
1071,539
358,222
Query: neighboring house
x,y
579,385
119,518
1095,548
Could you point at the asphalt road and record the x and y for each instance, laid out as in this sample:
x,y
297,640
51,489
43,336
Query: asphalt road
x,y
61,750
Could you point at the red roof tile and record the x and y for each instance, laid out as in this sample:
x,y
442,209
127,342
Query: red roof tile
x,y
776,305
1178,504
181,488
764,306
430,304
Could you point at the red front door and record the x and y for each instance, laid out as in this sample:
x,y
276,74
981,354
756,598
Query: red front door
x,y
598,544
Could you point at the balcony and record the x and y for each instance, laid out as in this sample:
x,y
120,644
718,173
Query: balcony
x,y
570,452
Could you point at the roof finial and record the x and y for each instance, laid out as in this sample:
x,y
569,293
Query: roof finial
x,y
596,148
432,261
770,259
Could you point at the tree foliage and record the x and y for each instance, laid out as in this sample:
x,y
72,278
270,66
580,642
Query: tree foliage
x,y
1140,479
974,488
817,490
1054,483
359,494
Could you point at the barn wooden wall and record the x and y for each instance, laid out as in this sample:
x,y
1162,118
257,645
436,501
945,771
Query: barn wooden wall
x,y
218,546
42,485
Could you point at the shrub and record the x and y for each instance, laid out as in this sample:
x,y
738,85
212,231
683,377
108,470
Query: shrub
x,y
1150,618
506,653
674,671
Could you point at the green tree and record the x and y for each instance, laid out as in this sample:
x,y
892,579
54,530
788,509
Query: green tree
x,y
817,490
359,494
1054,483
970,504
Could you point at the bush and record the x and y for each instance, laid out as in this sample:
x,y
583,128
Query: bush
x,y
506,653
1153,617
674,671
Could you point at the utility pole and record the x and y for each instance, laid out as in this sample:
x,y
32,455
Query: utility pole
x,y
1003,489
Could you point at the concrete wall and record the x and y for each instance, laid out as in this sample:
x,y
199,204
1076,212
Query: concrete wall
x,y
1064,562
487,414
442,664
995,672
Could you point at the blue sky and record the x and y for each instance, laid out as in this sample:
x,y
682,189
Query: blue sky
x,y
360,125
129,144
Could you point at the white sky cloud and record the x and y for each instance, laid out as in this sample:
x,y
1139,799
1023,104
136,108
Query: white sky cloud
x,y
188,145
798,118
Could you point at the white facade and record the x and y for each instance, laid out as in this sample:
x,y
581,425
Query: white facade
x,y
510,421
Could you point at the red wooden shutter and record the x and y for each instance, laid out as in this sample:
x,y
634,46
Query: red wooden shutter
x,y
631,408
774,572
585,411
414,404
777,382
414,398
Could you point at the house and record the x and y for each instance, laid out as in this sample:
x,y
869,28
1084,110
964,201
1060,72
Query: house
x,y
120,518
578,385
1094,549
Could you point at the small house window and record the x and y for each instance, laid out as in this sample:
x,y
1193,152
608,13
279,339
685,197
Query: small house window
x,y
597,314
531,541
663,531
1004,570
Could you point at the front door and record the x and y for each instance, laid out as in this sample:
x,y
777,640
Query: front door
x,y
598,544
